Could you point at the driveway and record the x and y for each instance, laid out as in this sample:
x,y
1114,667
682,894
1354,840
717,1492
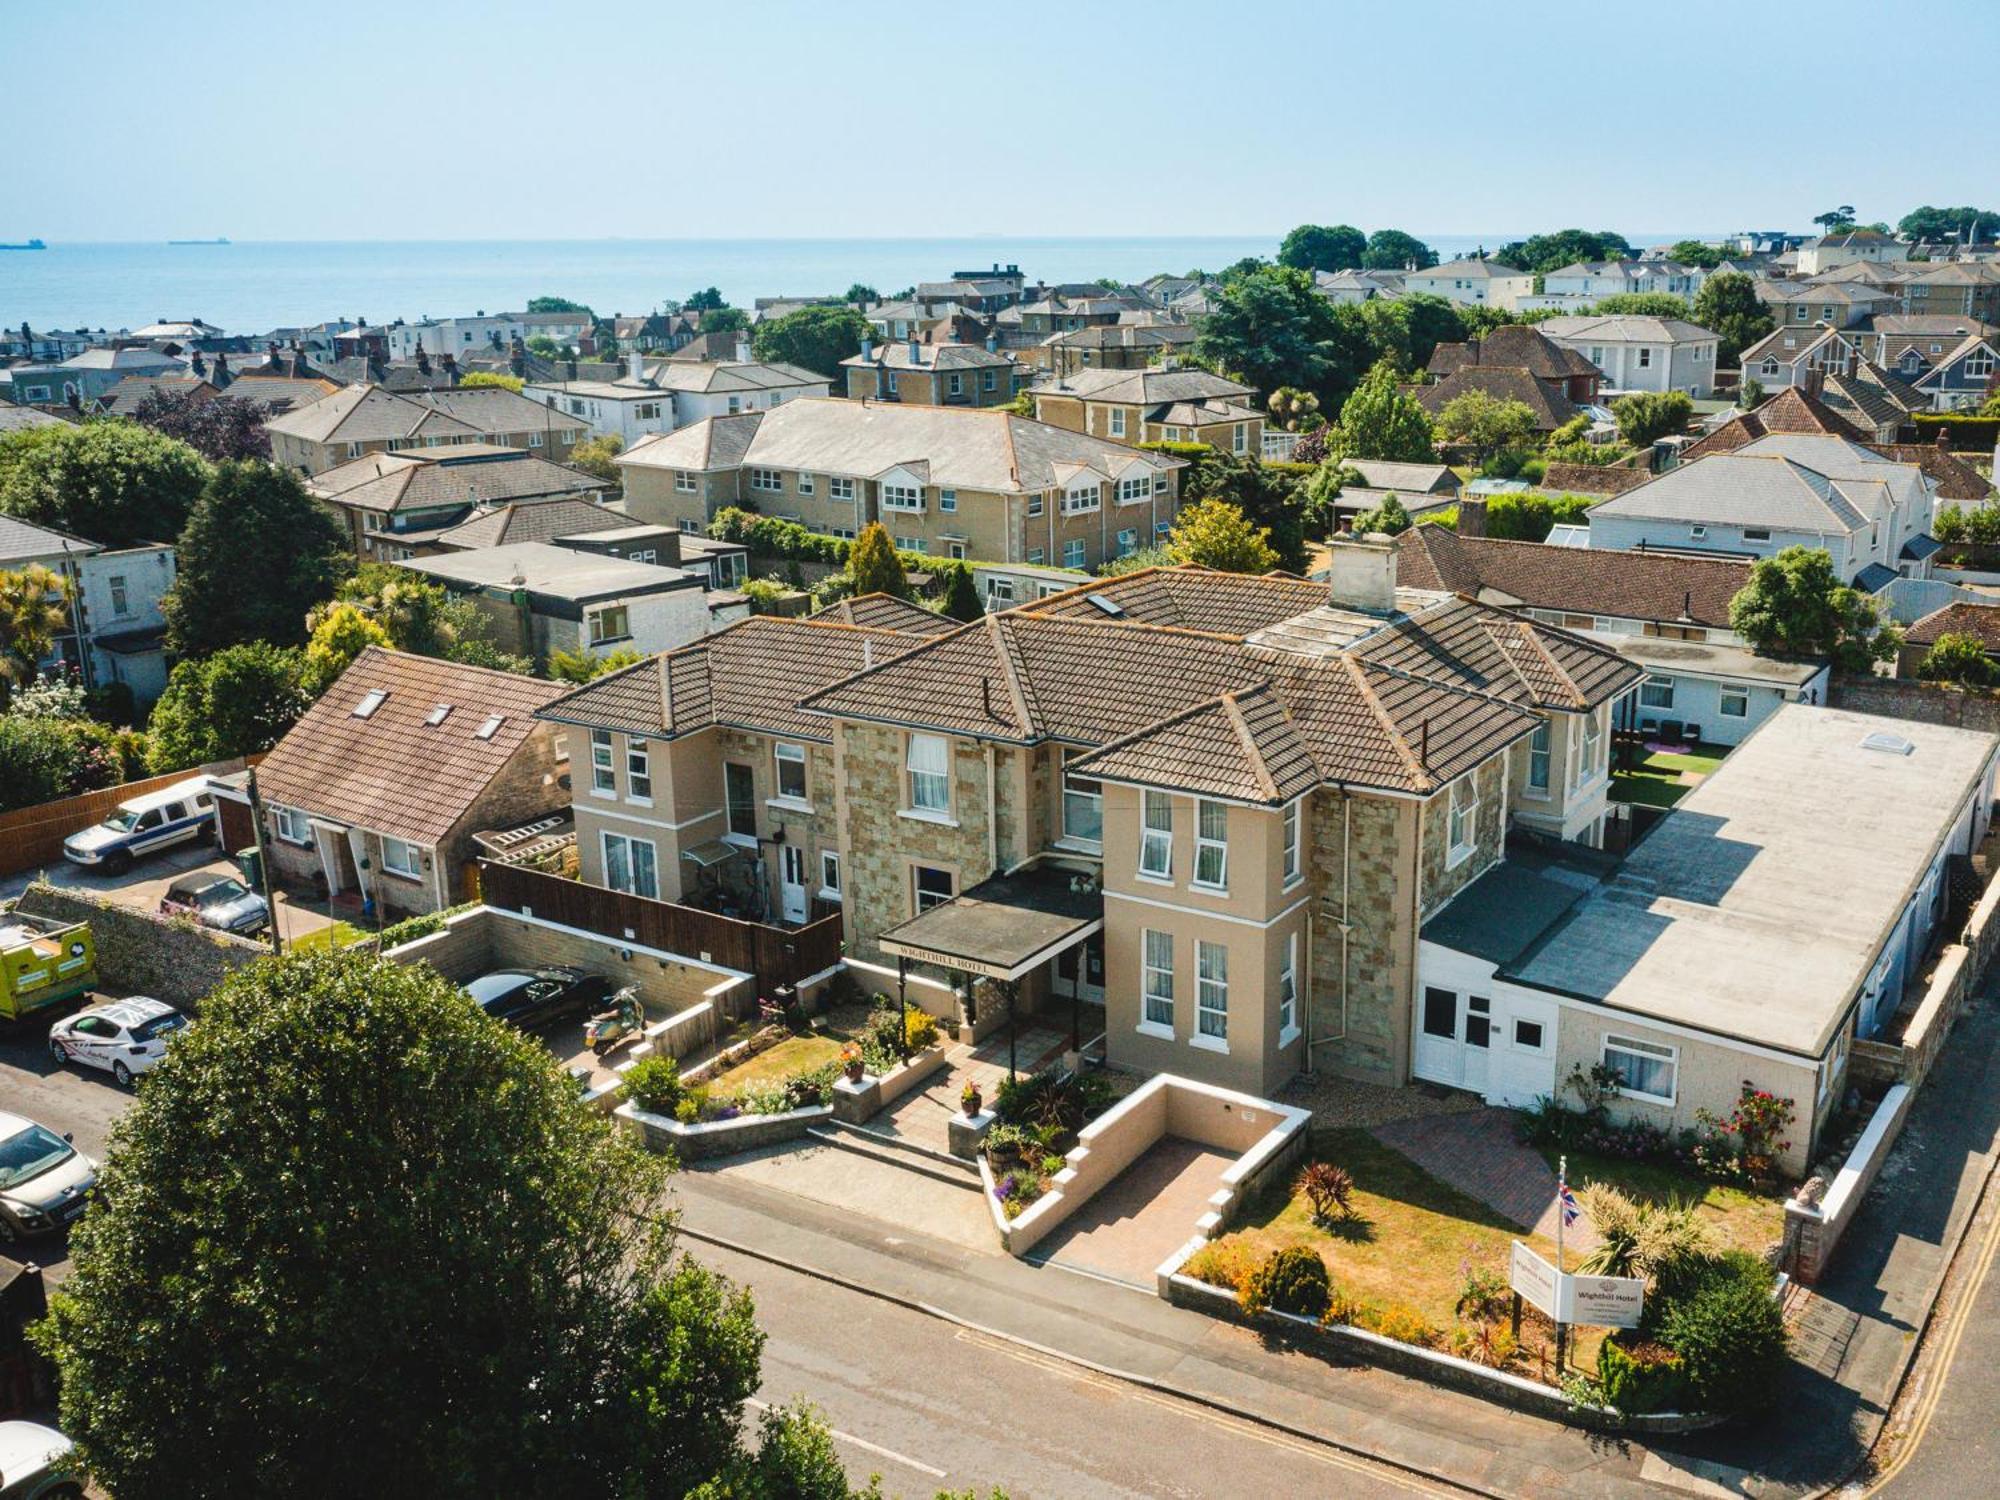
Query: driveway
x,y
142,886
1142,1215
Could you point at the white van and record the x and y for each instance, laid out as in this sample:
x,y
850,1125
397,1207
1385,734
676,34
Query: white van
x,y
146,824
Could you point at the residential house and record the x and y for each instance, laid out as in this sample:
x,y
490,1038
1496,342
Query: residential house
x,y
1545,398
1114,346
395,505
705,784
666,394
1831,250
949,481
1765,925
125,397
1979,621
113,631
277,395
1159,404
82,379
1906,345
1209,809
21,418
507,418
1587,281
1871,514
1790,356
377,792
1417,487
1953,289
541,598
1870,398
1570,376
925,374
1962,378
1800,305
1636,353
555,519
980,292
901,319
457,337
1478,280
365,419
47,345
1793,410
1358,286
1667,613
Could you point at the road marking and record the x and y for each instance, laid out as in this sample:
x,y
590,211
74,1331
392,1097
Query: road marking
x,y
1186,1410
1957,1322
875,1448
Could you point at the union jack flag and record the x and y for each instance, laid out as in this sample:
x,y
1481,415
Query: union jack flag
x,y
1570,1209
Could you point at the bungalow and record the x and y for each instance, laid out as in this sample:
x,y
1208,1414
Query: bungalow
x,y
1417,487
1763,926
542,598
380,788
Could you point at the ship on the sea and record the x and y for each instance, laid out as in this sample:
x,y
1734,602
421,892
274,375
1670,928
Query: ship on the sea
x,y
27,245
218,240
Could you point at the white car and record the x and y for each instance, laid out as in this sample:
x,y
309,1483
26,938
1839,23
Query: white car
x,y
123,1037
31,1458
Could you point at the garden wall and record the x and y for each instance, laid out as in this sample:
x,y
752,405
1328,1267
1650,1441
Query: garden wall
x,y
141,954
1926,702
1814,1230
720,1137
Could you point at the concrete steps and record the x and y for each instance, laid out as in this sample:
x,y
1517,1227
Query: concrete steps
x,y
940,1166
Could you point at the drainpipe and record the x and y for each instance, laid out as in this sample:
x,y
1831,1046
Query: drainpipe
x,y
992,810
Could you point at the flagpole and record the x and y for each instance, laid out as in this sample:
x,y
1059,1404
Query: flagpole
x,y
1562,1217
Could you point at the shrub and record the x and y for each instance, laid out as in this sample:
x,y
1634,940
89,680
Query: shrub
x,y
1327,1188
1484,1295
1224,1263
654,1084
1403,1323
1292,1280
422,925
1055,1096
1753,1132
1643,1378
1730,1335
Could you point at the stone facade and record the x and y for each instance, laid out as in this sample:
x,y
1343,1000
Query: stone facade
x,y
1359,1010
141,954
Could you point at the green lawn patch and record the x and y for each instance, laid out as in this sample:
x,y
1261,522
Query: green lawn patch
x,y
1667,760
795,1054
338,935
1651,791
1745,1220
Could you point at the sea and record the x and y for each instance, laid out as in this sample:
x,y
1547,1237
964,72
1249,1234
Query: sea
x,y
253,286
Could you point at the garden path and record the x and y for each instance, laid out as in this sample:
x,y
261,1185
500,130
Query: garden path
x,y
923,1115
1478,1153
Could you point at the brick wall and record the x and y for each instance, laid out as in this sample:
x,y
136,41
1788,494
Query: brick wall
x,y
138,953
1926,702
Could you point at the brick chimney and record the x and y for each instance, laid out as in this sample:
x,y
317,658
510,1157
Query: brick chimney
x,y
1812,382
1362,573
1471,517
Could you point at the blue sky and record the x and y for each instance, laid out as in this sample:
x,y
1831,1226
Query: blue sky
x,y
450,119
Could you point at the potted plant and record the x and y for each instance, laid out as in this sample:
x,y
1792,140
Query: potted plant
x,y
970,1099
850,1059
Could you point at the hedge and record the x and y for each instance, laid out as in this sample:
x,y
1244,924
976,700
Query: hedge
x,y
1965,429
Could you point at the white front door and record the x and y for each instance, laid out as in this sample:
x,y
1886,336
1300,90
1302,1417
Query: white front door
x,y
792,882
1454,1039
1475,1041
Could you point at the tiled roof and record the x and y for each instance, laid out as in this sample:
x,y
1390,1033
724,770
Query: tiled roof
x,y
895,355
748,676
536,521
1956,479
1237,604
492,410
1771,489
1503,383
1632,585
1626,328
1791,410
1871,397
711,443
1513,346
1980,621
422,478
19,418
1149,387
887,612
23,541
1242,746
1593,479
392,771
369,414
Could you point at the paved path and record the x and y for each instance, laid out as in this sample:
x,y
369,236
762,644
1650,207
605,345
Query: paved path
x,y
922,1116
1478,1153
1143,1215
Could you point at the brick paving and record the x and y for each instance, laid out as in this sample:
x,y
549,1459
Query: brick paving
x,y
922,1116
1476,1151
1142,1215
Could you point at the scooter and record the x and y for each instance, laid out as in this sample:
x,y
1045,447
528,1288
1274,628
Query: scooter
x,y
611,1029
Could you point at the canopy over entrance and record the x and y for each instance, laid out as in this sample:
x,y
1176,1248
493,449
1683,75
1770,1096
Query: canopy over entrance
x,y
1001,928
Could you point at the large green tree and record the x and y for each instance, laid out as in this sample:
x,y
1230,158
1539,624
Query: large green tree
x,y
256,555
1381,421
814,338
1393,250
1795,605
1927,223
241,699
1647,416
1728,307
1483,425
1272,329
1695,253
43,758
34,611
1957,657
355,1237
114,483
1408,329
1541,253
873,564
1323,247
1216,534
1644,304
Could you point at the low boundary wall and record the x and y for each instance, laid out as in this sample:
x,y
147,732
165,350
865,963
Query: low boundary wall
x,y
708,1138
142,954
1814,1230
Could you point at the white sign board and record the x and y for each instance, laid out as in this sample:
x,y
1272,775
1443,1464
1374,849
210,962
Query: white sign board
x,y
1603,1301
1535,1279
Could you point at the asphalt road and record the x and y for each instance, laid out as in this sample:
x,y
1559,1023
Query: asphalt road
x,y
931,1406
78,1101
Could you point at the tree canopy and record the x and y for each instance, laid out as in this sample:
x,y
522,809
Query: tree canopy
x,y
1393,250
34,612
342,634
725,320
708,299
1795,605
1380,421
1647,416
1542,253
1695,253
1961,658
815,338
861,294
1387,519
1271,328
216,427
1483,425
1644,305
114,483
596,455
1216,534
557,305
256,555
874,565
241,699
1323,247
1728,307
1928,223
479,379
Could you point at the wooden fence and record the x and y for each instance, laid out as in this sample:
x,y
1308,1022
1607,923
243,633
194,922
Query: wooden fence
x,y
32,837
775,955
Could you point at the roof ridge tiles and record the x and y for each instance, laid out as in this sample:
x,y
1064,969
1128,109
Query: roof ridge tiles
x,y
1248,740
1420,776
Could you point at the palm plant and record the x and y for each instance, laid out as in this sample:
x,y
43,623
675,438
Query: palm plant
x,y
1656,1241
34,609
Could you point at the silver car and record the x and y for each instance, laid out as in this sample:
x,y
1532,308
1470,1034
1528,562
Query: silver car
x,y
45,1182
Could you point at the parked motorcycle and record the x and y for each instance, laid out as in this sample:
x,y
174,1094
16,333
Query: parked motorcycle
x,y
609,1030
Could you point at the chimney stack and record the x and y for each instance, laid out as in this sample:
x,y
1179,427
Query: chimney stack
x,y
1813,382
992,343
1471,517
1362,573
916,349
867,347
636,367
743,348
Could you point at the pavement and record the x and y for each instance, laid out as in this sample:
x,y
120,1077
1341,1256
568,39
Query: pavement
x,y
1143,1215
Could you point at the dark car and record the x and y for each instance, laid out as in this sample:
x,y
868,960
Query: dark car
x,y
219,901
530,997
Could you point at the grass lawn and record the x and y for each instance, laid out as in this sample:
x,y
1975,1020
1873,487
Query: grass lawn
x,y
1656,780
795,1054
1744,1219
338,935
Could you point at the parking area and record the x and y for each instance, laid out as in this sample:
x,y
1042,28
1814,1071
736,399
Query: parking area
x,y
142,886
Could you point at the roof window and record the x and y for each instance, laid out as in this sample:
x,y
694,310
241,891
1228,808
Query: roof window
x,y
1887,744
438,715
1106,604
490,728
371,700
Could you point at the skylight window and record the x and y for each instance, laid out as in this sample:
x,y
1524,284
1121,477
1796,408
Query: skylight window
x,y
490,728
1887,744
1109,606
373,699
438,715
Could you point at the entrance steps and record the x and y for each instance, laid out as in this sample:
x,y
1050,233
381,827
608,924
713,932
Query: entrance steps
x,y
940,1166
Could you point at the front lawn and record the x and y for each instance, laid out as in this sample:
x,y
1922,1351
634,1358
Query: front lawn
x,y
1743,1218
1656,780
800,1053
333,936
